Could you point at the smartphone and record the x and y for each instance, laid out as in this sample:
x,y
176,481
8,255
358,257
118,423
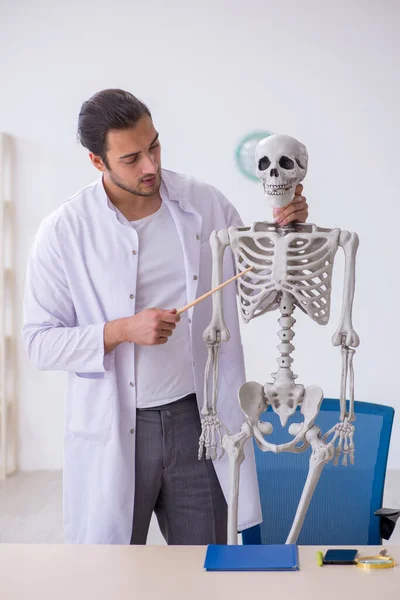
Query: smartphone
x,y
340,557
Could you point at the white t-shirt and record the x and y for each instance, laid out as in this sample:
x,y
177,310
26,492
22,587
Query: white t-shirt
x,y
164,372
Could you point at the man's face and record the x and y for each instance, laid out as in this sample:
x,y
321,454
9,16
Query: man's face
x,y
134,158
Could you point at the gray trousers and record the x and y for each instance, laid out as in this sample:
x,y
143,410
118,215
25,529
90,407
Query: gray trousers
x,y
184,492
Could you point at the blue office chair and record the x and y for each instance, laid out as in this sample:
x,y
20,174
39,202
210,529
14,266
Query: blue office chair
x,y
342,509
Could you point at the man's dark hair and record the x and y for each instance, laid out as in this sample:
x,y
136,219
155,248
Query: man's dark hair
x,y
105,111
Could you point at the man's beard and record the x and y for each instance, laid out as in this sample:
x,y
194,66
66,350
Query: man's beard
x,y
114,178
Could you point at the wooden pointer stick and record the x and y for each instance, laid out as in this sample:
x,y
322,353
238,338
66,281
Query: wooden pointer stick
x,y
204,296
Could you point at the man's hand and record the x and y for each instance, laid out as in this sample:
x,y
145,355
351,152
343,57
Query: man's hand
x,y
150,327
297,210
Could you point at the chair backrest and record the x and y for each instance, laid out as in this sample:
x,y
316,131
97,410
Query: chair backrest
x,y
341,511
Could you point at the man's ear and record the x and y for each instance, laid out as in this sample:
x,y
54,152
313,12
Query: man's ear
x,y
97,162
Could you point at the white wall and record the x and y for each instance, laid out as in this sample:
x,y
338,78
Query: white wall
x,y
212,71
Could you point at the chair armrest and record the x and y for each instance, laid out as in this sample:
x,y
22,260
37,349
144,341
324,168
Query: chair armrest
x,y
388,519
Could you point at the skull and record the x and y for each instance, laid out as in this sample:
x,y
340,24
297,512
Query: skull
x,y
281,165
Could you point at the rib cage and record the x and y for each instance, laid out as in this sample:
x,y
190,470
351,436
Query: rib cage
x,y
299,262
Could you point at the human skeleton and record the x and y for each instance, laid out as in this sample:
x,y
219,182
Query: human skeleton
x,y
292,267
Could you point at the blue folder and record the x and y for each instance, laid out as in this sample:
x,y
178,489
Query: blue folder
x,y
280,557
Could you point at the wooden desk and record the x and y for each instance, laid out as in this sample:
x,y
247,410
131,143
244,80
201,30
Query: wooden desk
x,y
66,572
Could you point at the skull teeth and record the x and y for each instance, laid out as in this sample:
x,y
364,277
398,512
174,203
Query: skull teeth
x,y
280,192
276,189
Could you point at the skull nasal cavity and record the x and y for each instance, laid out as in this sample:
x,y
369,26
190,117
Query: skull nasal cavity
x,y
286,163
274,173
263,163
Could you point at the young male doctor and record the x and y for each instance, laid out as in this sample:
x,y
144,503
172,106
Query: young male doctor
x,y
106,273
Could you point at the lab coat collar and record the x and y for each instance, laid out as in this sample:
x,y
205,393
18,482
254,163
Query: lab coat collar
x,y
169,190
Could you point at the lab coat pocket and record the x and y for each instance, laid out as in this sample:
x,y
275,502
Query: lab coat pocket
x,y
92,400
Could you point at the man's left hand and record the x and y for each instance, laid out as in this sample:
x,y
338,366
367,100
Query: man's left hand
x,y
297,210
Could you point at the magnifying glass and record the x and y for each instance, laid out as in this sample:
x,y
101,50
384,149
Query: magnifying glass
x,y
380,561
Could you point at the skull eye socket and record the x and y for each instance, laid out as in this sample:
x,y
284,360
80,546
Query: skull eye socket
x,y
263,163
299,163
286,163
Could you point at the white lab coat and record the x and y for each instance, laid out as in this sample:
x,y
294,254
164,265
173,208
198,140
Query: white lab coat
x,y
82,273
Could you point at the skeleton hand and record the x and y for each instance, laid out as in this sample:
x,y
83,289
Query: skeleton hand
x,y
346,336
211,437
345,432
